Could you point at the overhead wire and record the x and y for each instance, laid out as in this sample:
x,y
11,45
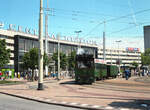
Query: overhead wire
x,y
127,28
115,19
110,20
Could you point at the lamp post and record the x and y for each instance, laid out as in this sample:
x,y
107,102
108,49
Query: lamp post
x,y
118,54
78,37
41,53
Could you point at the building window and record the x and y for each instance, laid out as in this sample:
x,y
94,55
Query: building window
x,y
21,44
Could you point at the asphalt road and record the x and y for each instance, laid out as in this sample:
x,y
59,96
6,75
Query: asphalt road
x,y
14,103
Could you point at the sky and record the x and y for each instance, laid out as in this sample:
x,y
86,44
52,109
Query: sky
x,y
124,19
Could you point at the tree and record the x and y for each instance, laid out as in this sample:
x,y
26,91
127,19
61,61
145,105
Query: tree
x,y
30,60
47,60
135,64
63,60
4,54
72,60
145,57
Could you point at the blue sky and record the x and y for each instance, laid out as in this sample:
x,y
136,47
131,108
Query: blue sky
x,y
67,16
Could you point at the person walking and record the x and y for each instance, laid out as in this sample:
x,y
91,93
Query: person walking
x,y
127,73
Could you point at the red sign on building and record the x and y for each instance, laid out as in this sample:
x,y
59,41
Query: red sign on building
x,y
99,61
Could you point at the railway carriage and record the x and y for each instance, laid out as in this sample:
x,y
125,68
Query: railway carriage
x,y
88,69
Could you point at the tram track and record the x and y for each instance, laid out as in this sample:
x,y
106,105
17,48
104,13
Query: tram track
x,y
117,87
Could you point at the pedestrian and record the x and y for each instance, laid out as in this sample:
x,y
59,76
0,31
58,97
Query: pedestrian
x,y
143,71
0,75
127,73
149,73
15,74
19,75
10,73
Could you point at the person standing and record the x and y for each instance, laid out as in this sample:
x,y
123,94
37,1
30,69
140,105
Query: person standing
x,y
0,75
10,73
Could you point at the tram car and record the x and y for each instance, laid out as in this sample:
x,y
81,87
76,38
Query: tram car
x,y
84,69
88,69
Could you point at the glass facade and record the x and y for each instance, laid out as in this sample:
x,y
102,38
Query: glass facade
x,y
25,44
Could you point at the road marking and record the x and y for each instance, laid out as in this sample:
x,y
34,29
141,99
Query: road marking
x,y
54,101
95,106
109,108
84,104
124,109
48,100
36,97
73,103
64,102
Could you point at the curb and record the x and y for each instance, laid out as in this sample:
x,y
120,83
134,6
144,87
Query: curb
x,y
63,103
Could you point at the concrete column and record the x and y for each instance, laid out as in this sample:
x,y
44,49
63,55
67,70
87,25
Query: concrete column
x,y
41,53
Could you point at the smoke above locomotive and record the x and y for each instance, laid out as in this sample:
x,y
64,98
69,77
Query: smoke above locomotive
x,y
81,51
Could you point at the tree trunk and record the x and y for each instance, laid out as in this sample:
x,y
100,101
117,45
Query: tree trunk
x,y
32,74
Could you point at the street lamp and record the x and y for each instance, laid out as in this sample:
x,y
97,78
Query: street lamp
x,y
78,37
118,53
41,53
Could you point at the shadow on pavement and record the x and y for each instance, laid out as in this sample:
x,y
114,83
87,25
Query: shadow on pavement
x,y
134,104
69,82
74,83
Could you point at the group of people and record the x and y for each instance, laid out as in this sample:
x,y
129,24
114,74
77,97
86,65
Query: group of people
x,y
139,72
6,74
62,74
27,75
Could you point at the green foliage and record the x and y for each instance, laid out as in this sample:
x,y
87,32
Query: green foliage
x,y
135,64
10,82
145,57
4,70
47,60
63,60
72,60
4,54
30,59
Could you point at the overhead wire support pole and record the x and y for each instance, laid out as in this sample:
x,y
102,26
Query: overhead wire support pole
x,y
104,40
118,54
46,40
58,75
41,53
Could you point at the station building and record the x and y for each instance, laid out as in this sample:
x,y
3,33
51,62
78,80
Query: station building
x,y
21,42
126,55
